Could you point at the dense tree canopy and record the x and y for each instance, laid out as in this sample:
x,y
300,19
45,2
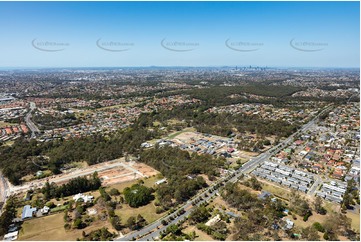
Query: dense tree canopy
x,y
17,160
174,163
138,195
8,214
74,186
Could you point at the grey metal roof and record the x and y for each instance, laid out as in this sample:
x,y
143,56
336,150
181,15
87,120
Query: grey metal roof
x,y
27,212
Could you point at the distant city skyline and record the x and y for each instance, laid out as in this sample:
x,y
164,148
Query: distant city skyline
x,y
175,34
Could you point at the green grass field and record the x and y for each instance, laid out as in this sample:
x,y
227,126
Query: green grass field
x,y
59,208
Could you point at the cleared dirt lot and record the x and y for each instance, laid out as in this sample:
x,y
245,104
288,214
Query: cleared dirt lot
x,y
203,143
130,171
145,169
110,172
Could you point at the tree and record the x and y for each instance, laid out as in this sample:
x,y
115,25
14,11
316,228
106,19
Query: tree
x,y
239,198
335,224
242,229
80,209
131,222
9,213
116,223
76,185
219,231
78,223
66,217
255,184
318,206
275,235
192,235
76,214
50,204
174,229
138,195
310,234
98,235
141,222
300,206
347,200
114,192
104,194
67,226
318,227
199,215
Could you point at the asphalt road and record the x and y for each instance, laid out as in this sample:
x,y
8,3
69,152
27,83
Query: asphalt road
x,y
315,185
34,129
153,230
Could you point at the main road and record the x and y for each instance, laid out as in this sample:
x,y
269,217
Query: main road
x,y
154,229
34,129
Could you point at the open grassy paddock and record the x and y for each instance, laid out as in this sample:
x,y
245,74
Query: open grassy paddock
x,y
52,228
200,235
355,224
147,211
149,182
175,134
278,191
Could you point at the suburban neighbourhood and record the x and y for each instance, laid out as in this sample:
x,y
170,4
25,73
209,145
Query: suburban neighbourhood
x,y
170,177
180,121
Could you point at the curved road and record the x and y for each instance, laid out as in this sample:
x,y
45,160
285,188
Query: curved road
x,y
34,129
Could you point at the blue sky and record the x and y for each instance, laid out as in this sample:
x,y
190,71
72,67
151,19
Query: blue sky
x,y
289,34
